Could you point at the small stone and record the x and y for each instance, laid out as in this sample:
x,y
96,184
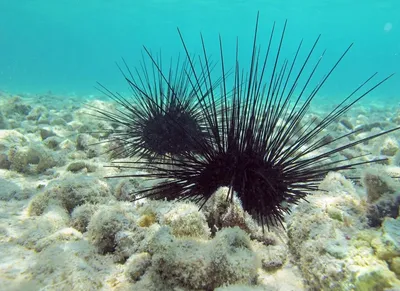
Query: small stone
x,y
126,189
44,119
337,249
335,213
76,166
65,235
273,258
387,246
58,121
67,145
376,184
52,142
45,133
8,190
147,220
391,230
36,113
67,117
395,265
376,277
390,147
15,106
81,215
87,143
387,206
3,122
137,265
4,162
346,123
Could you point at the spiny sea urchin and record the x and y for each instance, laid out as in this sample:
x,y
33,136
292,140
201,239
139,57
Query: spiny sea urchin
x,y
163,116
260,145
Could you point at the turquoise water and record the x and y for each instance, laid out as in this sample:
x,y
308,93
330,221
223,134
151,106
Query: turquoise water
x,y
66,46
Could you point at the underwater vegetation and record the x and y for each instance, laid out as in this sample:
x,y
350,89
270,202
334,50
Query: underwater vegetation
x,y
257,142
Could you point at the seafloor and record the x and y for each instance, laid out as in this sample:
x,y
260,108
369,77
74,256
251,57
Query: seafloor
x,y
63,226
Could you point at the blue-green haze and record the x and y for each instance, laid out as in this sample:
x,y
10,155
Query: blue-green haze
x,y
66,46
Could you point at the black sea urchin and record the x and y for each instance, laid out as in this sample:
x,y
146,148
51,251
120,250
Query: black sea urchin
x,y
163,116
261,145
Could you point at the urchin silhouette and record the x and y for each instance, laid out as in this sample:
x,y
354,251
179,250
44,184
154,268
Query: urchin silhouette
x,y
163,116
261,146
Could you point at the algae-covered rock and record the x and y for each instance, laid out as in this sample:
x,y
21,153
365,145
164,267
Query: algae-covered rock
x,y
383,197
389,147
52,142
37,112
3,121
33,159
395,265
192,264
333,255
58,121
66,266
386,206
337,248
137,265
106,222
52,220
221,213
387,246
134,240
4,162
70,193
12,137
127,189
46,133
81,215
336,182
10,190
65,234
147,220
186,220
81,166
15,107
391,231
336,213
76,166
273,257
240,287
88,144
377,277
377,183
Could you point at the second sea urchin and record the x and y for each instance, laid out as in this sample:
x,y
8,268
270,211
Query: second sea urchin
x,y
161,118
261,147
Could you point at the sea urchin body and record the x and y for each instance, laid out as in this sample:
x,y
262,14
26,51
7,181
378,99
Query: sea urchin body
x,y
162,117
